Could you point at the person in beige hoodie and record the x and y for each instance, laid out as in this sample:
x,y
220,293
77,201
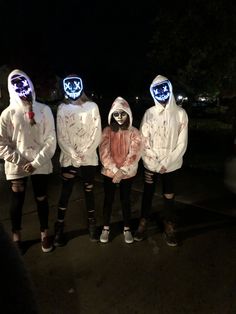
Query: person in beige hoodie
x,y
120,152
27,144
164,130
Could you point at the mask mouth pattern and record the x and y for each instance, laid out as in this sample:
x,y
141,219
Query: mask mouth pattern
x,y
73,87
161,92
21,87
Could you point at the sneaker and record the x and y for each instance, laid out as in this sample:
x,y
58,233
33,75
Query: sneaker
x,y
104,237
128,236
46,244
170,239
93,233
169,234
59,237
141,233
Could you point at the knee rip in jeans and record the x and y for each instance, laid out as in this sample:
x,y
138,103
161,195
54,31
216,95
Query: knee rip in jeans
x,y
18,186
68,175
148,177
41,198
88,187
169,196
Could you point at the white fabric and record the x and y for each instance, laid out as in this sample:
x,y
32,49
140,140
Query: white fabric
x,y
21,142
165,134
78,133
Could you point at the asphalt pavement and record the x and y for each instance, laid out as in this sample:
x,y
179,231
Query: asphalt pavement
x,y
84,277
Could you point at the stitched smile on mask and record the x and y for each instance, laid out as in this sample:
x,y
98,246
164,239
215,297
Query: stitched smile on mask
x,y
161,92
22,87
120,116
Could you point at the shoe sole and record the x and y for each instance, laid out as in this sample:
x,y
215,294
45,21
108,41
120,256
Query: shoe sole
x,y
47,250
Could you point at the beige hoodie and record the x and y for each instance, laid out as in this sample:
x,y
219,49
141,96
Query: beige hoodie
x,y
121,149
165,133
21,142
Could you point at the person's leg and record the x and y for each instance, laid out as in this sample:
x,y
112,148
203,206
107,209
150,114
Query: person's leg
x,y
68,175
125,192
169,214
88,175
109,193
39,184
148,192
17,188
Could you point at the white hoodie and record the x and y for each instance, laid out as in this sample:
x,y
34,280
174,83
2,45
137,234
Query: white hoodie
x,y
165,133
78,134
21,142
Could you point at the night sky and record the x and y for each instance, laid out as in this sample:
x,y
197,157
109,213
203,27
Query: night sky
x,y
105,44
108,43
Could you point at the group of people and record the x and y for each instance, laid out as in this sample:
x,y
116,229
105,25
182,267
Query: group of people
x,y
29,137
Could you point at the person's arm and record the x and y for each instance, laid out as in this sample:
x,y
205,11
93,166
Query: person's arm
x,y
135,151
8,150
49,147
181,145
105,152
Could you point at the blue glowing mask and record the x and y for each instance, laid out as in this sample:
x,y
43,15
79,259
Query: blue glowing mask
x,y
21,87
161,92
73,87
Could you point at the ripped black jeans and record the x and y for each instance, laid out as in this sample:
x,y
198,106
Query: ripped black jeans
x,y
18,190
69,175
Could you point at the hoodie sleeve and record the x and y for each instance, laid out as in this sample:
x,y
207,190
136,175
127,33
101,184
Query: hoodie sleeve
x,y
8,150
49,147
149,155
95,138
181,145
134,154
105,151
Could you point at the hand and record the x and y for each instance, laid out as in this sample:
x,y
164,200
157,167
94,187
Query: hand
x,y
28,168
163,169
118,176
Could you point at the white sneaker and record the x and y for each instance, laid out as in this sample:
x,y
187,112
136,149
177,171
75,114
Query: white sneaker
x,y
104,237
128,236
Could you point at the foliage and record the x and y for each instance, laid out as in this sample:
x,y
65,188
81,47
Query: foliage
x,y
194,44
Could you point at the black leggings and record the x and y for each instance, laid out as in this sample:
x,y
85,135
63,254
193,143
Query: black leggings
x,y
150,181
69,175
18,189
125,192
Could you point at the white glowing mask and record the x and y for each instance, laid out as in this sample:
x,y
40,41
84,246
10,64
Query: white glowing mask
x,y
161,92
73,87
21,87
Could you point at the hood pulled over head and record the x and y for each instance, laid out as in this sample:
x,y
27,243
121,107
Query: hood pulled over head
x,y
20,87
120,104
162,92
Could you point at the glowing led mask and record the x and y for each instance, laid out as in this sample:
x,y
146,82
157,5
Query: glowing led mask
x,y
73,87
22,87
120,116
161,92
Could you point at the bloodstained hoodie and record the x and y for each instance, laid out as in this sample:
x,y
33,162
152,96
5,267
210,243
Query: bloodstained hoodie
x,y
21,142
121,149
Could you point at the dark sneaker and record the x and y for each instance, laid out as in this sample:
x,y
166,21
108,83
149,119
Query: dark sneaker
x,y
169,234
170,239
46,244
141,233
59,237
93,233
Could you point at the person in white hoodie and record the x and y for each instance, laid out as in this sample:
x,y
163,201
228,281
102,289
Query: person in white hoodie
x,y
120,152
27,144
78,134
164,129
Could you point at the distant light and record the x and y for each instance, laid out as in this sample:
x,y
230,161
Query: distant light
x,y
136,98
180,97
